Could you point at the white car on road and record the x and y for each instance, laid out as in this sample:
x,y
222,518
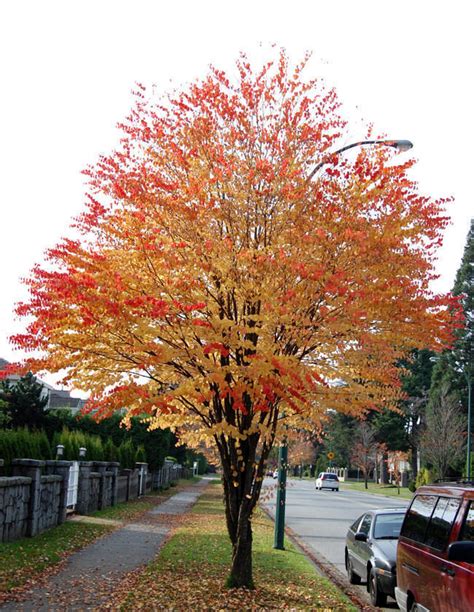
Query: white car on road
x,y
327,480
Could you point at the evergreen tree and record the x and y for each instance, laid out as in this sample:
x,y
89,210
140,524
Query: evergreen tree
x,y
25,402
455,368
338,437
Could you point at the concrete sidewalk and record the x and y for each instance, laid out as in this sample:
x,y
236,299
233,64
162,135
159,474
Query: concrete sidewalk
x,y
89,576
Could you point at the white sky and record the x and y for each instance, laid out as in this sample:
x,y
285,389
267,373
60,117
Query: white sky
x,y
67,69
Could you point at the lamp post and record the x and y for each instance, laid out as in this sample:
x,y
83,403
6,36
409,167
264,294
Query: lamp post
x,y
469,388
399,145
281,496
59,451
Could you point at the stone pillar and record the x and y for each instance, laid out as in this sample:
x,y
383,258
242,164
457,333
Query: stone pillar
x,y
31,468
128,473
84,487
61,468
114,468
101,468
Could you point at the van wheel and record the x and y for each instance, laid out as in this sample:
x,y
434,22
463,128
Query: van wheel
x,y
351,575
377,598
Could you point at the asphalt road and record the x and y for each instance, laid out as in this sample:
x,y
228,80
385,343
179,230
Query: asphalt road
x,y
321,518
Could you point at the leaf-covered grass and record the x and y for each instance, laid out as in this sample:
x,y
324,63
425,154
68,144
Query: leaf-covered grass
x,y
127,511
191,569
387,490
28,558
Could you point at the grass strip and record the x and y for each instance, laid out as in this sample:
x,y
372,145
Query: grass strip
x,y
24,561
377,489
190,571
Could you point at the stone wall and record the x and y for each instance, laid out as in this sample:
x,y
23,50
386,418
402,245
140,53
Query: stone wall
x,y
14,502
35,497
31,501
122,495
49,503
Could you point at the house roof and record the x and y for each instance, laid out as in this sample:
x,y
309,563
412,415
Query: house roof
x,y
57,398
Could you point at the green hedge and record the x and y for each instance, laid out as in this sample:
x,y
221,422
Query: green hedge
x,y
23,444
26,444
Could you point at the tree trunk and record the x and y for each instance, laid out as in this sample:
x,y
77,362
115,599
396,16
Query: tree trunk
x,y
414,462
242,481
384,470
241,569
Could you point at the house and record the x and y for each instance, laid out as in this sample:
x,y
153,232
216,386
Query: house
x,y
57,398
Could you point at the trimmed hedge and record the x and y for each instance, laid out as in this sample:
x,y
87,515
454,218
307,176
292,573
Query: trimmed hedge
x,y
26,444
23,444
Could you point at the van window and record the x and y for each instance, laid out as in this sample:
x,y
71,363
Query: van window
x,y
441,522
467,532
418,517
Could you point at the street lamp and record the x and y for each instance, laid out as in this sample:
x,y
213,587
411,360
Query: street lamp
x,y
469,388
281,496
399,145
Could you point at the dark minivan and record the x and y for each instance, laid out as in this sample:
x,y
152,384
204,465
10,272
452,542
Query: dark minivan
x,y
435,554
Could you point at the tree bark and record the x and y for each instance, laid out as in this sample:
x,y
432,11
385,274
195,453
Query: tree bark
x,y
241,569
242,480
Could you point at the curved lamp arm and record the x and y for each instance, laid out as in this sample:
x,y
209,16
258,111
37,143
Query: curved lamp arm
x,y
400,145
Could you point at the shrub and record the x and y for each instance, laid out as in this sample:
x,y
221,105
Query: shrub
x,y
74,440
423,477
126,453
140,455
111,452
23,444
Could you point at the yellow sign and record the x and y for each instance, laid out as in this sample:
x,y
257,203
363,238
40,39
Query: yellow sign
x,y
330,455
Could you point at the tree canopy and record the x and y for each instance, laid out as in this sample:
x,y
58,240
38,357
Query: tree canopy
x,y
221,289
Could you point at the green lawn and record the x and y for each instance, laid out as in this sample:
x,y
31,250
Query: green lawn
x,y
387,490
28,558
191,570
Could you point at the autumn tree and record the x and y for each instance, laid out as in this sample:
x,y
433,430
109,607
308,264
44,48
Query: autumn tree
x,y
366,449
397,462
230,268
301,452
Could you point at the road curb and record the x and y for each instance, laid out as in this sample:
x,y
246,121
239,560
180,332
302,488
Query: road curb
x,y
325,568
